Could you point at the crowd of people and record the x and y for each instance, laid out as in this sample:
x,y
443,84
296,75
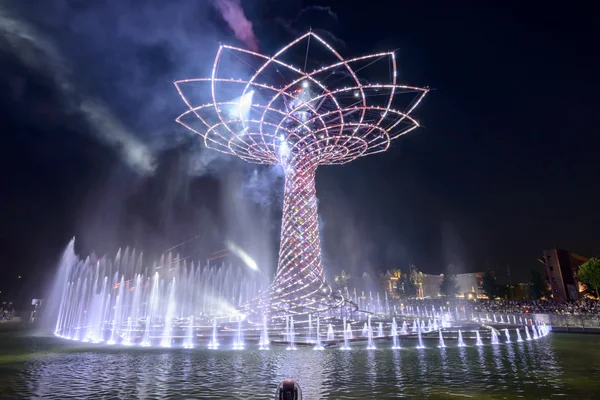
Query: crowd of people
x,y
6,313
583,306
579,307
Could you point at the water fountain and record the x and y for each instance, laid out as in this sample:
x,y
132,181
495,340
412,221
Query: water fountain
x,y
264,336
309,335
346,330
127,337
365,330
330,333
419,336
292,335
441,343
461,343
188,342
535,332
128,302
380,330
404,329
214,343
370,342
495,339
394,334
519,339
414,326
528,336
238,338
318,345
479,342
507,334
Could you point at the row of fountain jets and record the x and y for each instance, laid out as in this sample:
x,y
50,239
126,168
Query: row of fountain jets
x,y
537,330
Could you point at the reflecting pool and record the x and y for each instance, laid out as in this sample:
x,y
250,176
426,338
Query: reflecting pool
x,y
559,364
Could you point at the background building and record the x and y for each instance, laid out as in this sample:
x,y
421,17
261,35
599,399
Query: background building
x,y
561,273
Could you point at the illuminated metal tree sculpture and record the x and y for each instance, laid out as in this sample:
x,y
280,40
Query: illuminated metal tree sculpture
x,y
300,118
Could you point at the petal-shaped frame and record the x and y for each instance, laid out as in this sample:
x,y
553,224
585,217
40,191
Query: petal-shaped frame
x,y
336,135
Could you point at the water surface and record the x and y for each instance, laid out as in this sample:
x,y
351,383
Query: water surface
x,y
566,365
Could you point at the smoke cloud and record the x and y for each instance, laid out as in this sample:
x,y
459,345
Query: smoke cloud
x,y
233,14
38,53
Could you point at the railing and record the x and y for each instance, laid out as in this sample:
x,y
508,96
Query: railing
x,y
564,322
574,321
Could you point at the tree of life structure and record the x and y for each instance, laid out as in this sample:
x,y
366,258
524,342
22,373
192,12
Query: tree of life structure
x,y
323,113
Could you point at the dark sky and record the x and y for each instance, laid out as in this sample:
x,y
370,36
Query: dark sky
x,y
505,165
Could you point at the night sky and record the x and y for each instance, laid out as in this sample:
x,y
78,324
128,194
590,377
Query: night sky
x,y
506,163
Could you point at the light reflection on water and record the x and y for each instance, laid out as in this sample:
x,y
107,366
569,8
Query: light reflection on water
x,y
58,370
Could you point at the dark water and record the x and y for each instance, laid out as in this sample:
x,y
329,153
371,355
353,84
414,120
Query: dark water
x,y
566,365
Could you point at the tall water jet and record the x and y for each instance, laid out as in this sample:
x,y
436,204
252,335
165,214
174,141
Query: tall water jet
x,y
441,343
264,336
346,330
292,335
420,344
495,318
168,331
461,343
394,334
370,342
507,334
519,339
527,335
188,342
318,345
151,309
214,343
429,326
478,342
309,336
404,327
365,330
380,330
350,335
535,333
414,326
495,337
330,333
238,342
127,336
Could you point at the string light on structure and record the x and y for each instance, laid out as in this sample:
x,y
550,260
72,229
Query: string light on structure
x,y
300,119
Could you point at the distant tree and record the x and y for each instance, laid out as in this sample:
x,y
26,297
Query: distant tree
x,y
489,285
406,288
589,274
448,285
538,285
416,279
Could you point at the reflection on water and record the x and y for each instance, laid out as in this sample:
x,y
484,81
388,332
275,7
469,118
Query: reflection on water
x,y
528,369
